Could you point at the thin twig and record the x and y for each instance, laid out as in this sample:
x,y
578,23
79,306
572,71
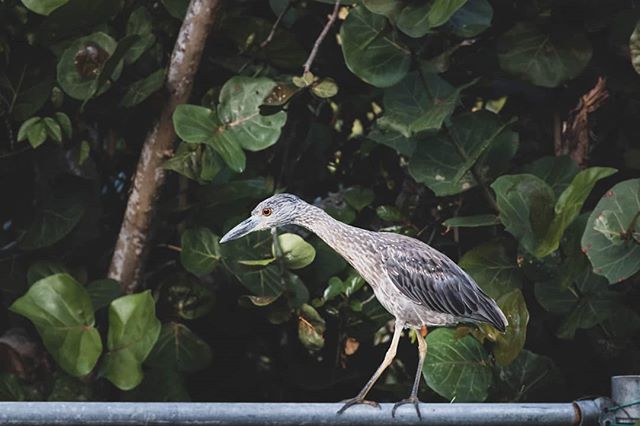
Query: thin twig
x,y
323,34
276,24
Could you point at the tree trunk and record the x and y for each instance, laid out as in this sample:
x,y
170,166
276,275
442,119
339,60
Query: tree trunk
x,y
130,250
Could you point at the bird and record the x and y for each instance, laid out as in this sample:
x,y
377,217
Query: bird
x,y
420,286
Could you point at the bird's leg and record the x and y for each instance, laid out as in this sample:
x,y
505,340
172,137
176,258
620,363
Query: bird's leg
x,y
413,398
388,359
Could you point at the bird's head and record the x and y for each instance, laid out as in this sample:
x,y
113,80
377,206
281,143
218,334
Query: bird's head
x,y
279,210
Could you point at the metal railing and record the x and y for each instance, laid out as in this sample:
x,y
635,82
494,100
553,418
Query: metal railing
x,y
128,413
625,410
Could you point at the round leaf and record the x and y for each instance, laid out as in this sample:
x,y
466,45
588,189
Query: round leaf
x,y
200,251
239,112
296,251
634,48
371,51
195,124
61,310
457,368
43,7
543,59
178,348
509,344
103,292
417,19
608,238
472,19
81,62
493,266
133,331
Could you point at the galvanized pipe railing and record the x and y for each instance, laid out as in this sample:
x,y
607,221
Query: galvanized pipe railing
x,y
128,413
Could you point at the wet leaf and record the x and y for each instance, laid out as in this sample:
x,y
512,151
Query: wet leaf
x,y
457,369
61,310
133,331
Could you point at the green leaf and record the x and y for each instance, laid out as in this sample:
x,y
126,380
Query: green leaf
x,y
53,221
53,129
176,8
371,50
615,218
37,133
139,23
388,8
195,124
417,19
26,126
472,19
81,64
472,221
509,344
231,152
546,60
265,281
186,296
634,48
239,112
493,266
10,388
67,388
410,107
325,88
160,385
557,172
443,162
133,331
358,197
103,292
197,162
296,252
403,146
43,269
528,378
311,327
61,311
335,287
65,124
569,205
43,7
178,348
525,204
457,369
389,213
141,89
200,251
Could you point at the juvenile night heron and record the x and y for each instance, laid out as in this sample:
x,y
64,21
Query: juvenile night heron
x,y
417,284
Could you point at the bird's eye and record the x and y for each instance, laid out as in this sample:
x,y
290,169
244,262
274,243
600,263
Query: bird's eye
x,y
266,211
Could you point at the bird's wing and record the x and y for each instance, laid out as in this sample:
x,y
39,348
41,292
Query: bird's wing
x,y
431,279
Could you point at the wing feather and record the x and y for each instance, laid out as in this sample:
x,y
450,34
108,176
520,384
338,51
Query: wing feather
x,y
431,279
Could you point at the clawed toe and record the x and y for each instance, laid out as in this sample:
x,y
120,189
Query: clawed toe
x,y
355,401
412,400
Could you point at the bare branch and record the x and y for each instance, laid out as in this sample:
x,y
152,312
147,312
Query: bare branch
x,y
323,34
131,247
276,24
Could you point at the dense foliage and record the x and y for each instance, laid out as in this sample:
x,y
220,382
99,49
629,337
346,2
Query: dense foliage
x,y
481,127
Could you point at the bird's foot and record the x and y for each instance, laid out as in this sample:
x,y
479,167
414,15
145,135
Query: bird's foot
x,y
355,401
411,400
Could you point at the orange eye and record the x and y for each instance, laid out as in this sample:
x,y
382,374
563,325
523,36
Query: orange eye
x,y
266,212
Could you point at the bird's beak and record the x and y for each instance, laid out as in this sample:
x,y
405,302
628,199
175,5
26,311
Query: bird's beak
x,y
243,228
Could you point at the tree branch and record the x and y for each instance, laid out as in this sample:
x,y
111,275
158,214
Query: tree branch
x,y
323,34
276,24
131,246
